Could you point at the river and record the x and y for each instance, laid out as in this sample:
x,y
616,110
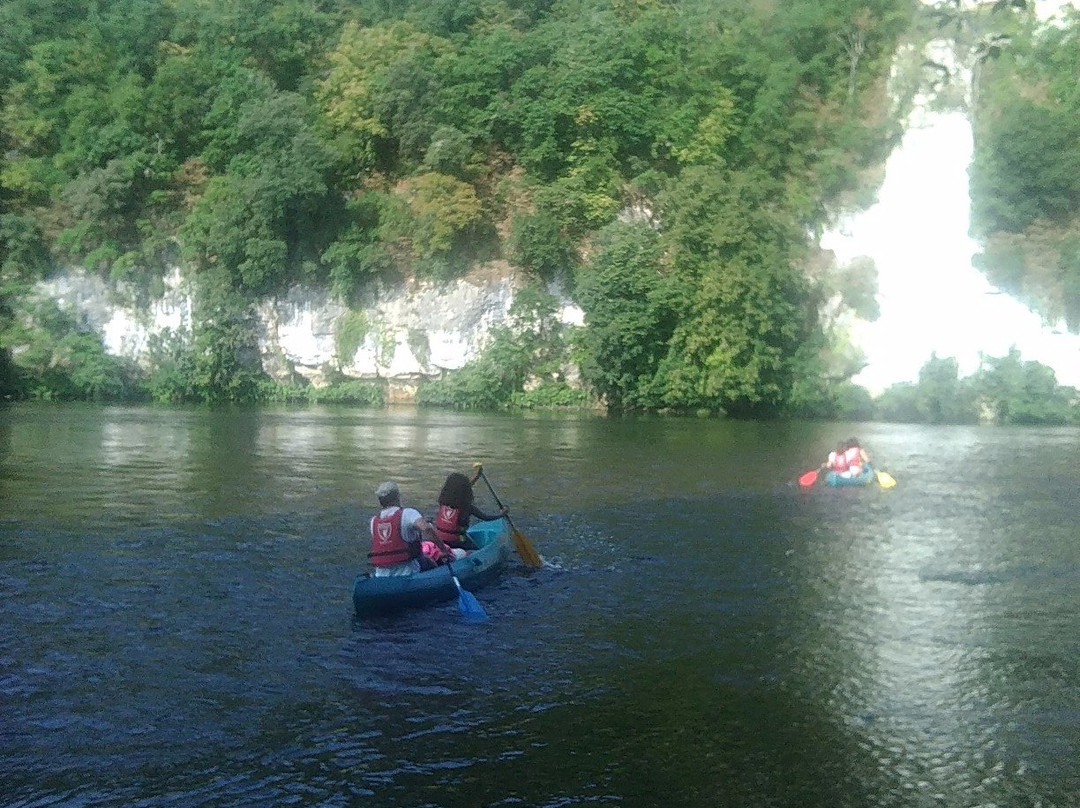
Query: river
x,y
178,627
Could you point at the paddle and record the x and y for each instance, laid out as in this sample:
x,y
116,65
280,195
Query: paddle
x,y
467,603
885,480
521,543
809,478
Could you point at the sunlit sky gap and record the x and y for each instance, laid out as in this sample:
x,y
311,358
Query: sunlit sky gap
x,y
932,299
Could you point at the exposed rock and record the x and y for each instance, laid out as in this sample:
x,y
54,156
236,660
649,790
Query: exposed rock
x,y
125,329
408,332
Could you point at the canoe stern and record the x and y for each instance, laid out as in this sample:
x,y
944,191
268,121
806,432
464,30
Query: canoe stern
x,y
479,568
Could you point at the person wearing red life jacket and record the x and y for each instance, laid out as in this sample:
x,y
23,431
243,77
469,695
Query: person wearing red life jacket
x,y
848,459
837,461
457,506
396,536
857,459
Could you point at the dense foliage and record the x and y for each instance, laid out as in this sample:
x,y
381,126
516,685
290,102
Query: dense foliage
x,y
668,160
1004,390
1026,171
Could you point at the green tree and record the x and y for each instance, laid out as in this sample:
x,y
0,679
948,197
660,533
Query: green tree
x,y
171,379
23,259
443,210
280,141
226,367
1069,267
631,310
1014,391
750,309
355,97
941,396
1024,184
58,360
900,402
359,254
539,242
258,219
1028,167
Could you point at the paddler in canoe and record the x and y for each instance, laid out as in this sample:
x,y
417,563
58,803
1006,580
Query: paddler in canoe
x,y
396,536
457,507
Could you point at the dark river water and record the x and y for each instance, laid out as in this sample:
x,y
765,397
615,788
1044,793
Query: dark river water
x,y
178,627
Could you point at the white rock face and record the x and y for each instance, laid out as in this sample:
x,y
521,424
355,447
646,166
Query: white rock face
x,y
301,325
416,331
124,328
429,328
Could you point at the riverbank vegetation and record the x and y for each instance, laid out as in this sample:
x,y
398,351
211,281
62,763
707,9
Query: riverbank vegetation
x,y
684,150
1003,390
1025,176
667,163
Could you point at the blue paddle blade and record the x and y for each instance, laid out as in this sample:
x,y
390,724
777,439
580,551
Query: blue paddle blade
x,y
469,606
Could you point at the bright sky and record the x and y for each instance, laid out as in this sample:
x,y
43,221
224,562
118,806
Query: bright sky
x,y
1044,9
1049,8
931,298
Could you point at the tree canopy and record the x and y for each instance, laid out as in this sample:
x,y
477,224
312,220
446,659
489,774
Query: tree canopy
x,y
1025,177
270,142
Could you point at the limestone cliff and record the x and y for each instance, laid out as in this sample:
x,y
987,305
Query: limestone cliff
x,y
400,334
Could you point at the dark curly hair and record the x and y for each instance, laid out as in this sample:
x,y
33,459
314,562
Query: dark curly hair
x,y
457,492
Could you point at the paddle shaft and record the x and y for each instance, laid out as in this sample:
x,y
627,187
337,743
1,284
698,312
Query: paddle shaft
x,y
521,543
498,502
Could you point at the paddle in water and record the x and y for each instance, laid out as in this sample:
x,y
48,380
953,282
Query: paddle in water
x,y
467,603
808,479
521,543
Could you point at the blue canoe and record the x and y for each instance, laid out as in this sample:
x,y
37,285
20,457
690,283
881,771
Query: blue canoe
x,y
479,568
868,476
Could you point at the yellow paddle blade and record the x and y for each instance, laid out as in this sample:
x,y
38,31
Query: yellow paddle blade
x,y
885,480
525,549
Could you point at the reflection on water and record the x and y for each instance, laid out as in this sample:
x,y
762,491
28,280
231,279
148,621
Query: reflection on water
x,y
176,587
921,607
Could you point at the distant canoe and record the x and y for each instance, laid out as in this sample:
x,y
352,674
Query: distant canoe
x,y
868,476
479,568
